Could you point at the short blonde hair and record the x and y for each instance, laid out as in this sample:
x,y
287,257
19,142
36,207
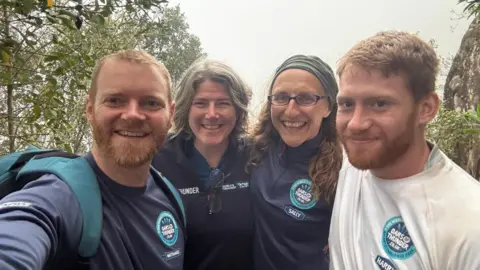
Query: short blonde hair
x,y
396,52
132,56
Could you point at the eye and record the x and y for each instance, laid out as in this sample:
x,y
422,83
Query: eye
x,y
199,103
345,105
224,103
306,99
113,101
281,97
152,104
380,104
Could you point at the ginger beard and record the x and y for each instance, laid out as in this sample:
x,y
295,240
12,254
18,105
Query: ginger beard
x,y
384,151
127,152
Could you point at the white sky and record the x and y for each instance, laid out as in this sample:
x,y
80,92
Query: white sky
x,y
255,36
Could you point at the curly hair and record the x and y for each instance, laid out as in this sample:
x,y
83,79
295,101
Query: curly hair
x,y
323,168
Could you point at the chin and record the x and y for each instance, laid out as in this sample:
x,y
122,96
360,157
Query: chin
x,y
293,142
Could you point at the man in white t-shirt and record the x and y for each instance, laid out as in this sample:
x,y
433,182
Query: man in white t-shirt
x,y
401,203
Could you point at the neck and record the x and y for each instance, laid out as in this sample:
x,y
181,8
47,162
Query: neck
x,y
212,154
411,163
126,176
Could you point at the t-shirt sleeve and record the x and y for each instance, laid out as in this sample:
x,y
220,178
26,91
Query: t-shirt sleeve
x,y
38,224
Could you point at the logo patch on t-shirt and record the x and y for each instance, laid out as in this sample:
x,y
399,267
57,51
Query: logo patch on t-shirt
x,y
396,240
300,194
384,263
167,228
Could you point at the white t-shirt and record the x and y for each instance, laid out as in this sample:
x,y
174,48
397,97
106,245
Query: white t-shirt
x,y
427,221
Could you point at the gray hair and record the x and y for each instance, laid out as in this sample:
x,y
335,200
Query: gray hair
x,y
199,72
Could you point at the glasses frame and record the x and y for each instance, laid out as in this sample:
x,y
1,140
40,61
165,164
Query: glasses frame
x,y
215,203
317,98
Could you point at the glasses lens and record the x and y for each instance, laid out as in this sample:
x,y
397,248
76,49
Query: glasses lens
x,y
215,201
280,99
306,99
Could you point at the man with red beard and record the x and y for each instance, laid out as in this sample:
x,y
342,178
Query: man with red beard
x,y
401,203
130,108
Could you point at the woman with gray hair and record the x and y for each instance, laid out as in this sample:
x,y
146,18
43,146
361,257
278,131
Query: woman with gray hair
x,y
205,157
294,166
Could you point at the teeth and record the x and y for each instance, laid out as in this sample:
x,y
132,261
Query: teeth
x,y
131,134
293,124
211,127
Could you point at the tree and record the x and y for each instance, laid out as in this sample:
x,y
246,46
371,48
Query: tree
x,y
28,29
50,87
462,88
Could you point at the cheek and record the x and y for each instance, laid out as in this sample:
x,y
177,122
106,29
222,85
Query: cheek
x,y
275,112
341,122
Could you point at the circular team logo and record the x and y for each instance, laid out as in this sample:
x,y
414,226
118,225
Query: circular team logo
x,y
300,194
167,228
396,240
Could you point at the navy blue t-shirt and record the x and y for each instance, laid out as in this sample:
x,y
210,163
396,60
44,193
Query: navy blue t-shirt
x,y
42,223
291,227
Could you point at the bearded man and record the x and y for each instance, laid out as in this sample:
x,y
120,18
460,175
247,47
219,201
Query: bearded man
x,y
401,203
130,108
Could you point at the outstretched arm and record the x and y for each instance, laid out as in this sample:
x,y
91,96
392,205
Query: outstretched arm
x,y
38,222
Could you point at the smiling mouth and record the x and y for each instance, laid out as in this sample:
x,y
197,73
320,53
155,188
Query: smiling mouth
x,y
293,125
211,127
131,134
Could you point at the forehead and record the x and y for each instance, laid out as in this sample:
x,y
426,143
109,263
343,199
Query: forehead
x,y
296,81
360,83
211,90
130,78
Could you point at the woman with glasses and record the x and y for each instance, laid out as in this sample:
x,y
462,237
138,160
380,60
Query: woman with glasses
x,y
294,167
205,158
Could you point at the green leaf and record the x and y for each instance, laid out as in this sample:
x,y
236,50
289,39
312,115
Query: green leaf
x,y
67,22
50,58
67,148
97,18
52,19
52,81
36,112
68,13
59,71
27,6
37,78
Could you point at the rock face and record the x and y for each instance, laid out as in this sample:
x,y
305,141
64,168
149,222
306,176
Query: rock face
x,y
462,90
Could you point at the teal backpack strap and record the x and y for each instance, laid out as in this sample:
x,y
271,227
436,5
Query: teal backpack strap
x,y
78,174
173,191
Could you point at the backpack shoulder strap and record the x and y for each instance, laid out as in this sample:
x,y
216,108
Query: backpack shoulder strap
x,y
81,178
165,184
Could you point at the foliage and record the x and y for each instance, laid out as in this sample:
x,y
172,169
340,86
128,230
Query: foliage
x,y
47,83
472,7
451,127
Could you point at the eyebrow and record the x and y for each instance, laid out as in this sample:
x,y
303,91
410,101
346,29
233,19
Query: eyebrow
x,y
216,99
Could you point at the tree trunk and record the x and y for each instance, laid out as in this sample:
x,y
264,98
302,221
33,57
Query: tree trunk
x,y
10,118
462,91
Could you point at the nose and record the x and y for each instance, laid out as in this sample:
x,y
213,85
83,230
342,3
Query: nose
x,y
359,121
292,109
211,112
133,112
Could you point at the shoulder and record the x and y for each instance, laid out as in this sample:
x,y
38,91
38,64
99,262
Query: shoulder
x,y
174,146
48,189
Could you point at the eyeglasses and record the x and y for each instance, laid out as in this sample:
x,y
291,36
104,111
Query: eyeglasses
x,y
303,99
216,180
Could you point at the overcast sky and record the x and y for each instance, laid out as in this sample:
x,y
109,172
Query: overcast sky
x,y
255,36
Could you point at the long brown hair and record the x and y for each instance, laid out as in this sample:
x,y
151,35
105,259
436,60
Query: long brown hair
x,y
323,168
